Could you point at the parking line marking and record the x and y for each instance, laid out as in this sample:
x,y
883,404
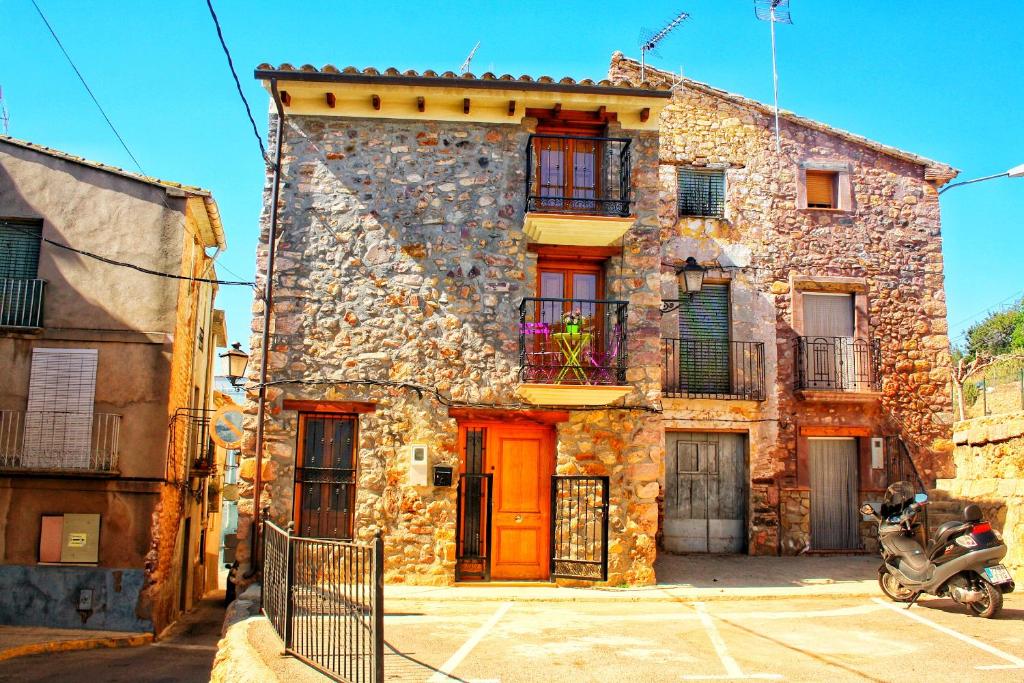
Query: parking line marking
x,y
1015,662
444,672
733,671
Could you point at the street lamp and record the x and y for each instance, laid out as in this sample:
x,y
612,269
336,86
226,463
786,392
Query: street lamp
x,y
1015,172
237,361
693,275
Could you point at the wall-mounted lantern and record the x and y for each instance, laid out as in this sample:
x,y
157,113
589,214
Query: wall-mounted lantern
x,y
237,362
693,275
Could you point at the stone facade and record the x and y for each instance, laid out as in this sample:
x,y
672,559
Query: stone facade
x,y
403,260
885,246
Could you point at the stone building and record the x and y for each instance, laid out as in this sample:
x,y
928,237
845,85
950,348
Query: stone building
x,y
105,383
482,345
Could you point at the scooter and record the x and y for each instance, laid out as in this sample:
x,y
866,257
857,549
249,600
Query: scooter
x,y
960,562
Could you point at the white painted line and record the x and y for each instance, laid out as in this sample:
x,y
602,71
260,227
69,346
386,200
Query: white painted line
x,y
444,673
1015,662
732,668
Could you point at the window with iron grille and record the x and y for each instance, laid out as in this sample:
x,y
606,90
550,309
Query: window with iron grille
x,y
701,193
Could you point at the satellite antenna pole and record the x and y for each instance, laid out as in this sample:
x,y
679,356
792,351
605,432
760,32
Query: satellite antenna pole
x,y
651,41
4,116
774,11
465,65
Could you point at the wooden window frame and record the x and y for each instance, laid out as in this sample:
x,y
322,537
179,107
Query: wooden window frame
x,y
843,187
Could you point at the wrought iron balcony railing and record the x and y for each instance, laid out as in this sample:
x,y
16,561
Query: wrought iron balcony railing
x,y
578,175
712,368
42,440
572,341
837,364
21,302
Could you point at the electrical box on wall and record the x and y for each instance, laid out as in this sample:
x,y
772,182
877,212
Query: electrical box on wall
x,y
418,465
443,475
877,453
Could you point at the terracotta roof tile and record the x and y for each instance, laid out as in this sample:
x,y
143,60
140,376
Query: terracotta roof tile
x,y
391,72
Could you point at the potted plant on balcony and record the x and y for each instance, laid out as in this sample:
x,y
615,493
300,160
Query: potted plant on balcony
x,y
572,320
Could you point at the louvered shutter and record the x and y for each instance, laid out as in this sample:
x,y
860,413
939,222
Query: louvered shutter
x,y
821,189
19,250
59,416
704,340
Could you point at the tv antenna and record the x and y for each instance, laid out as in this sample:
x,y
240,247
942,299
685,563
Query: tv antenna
x,y
774,12
649,40
4,116
465,65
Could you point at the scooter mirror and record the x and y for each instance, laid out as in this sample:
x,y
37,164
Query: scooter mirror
x,y
866,509
921,498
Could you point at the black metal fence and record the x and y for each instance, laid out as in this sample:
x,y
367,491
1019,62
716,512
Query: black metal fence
x,y
572,341
325,599
837,364
473,528
579,527
712,368
578,175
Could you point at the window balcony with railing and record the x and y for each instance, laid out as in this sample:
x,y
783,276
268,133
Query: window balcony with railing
x,y
713,368
63,441
578,189
572,351
21,303
837,364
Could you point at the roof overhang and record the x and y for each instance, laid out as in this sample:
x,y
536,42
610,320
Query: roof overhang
x,y
455,99
203,209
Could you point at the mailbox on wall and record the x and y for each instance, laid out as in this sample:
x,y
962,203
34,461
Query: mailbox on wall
x,y
443,475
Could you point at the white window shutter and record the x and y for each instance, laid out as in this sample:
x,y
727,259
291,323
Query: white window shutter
x,y
59,417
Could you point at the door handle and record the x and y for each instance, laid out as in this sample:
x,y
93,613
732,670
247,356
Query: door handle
x,y
519,519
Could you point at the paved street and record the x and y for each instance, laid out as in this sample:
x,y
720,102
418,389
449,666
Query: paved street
x,y
838,639
184,655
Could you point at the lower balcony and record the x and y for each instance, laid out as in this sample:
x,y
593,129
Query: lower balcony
x,y
572,352
21,303
827,366
59,441
713,368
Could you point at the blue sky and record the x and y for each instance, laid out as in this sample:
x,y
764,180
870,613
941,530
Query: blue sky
x,y
942,79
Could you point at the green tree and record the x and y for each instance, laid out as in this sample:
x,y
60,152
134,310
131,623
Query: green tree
x,y
1000,332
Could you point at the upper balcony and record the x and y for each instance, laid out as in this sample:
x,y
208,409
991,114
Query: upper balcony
x,y
59,441
713,368
829,365
572,351
21,303
578,189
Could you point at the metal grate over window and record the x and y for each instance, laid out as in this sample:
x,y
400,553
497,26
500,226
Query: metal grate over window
x,y
701,193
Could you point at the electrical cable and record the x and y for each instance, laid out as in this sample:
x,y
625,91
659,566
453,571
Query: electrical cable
x,y
124,264
238,84
87,88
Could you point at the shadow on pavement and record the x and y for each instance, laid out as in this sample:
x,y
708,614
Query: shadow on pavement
x,y
739,571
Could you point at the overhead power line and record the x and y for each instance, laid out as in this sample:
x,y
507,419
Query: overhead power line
x,y
238,84
125,264
87,88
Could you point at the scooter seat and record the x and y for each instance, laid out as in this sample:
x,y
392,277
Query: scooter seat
x,y
911,559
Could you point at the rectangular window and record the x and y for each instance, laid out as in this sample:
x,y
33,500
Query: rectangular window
x,y
19,249
822,190
704,340
59,415
325,476
701,193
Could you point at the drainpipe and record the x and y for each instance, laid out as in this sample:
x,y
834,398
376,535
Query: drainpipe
x,y
268,300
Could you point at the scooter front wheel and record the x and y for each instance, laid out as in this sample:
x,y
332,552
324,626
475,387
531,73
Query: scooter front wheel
x,y
891,586
990,605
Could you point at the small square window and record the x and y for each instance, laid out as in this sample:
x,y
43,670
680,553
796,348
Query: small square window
x,y
822,190
701,193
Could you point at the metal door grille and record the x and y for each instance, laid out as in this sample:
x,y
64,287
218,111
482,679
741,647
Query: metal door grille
x,y
325,480
473,532
579,527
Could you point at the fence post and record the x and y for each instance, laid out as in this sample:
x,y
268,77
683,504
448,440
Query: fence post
x,y
378,608
984,395
289,576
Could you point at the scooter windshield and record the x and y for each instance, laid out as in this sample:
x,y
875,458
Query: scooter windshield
x,y
897,497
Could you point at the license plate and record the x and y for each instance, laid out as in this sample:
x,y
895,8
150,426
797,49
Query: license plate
x,y
997,574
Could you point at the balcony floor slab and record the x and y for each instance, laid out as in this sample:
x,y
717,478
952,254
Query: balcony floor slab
x,y
571,394
575,230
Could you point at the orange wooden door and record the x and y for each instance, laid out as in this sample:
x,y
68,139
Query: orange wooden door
x,y
521,458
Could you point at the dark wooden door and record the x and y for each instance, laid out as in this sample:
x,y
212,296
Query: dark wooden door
x,y
325,476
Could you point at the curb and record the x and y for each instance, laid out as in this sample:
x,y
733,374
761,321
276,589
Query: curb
x,y
662,596
75,645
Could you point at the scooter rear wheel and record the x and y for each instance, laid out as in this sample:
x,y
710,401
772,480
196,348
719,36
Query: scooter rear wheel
x,y
891,586
991,604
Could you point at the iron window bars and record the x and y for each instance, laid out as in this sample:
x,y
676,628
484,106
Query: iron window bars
x,y
701,193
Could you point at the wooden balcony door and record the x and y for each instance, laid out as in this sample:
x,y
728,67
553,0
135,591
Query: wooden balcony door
x,y
829,327
704,349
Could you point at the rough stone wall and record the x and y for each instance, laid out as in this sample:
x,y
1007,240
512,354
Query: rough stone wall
x,y
402,259
989,460
890,240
